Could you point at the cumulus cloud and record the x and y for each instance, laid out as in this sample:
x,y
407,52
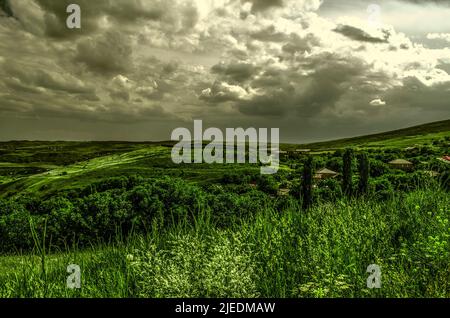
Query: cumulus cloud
x,y
109,53
249,62
222,92
378,102
439,36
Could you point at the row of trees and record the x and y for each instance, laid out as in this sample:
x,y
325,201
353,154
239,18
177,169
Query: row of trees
x,y
118,207
347,177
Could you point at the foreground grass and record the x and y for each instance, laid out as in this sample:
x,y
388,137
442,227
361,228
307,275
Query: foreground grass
x,y
320,253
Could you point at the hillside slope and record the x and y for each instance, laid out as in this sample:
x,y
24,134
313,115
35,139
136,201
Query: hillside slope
x,y
401,137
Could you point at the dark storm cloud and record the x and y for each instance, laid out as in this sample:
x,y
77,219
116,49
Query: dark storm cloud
x,y
269,34
415,95
261,5
122,12
170,68
444,67
39,78
359,35
286,92
235,71
6,8
161,63
332,78
57,106
262,90
297,44
108,53
427,2
120,96
167,16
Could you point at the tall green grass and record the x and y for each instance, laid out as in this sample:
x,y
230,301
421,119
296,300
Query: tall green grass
x,y
323,252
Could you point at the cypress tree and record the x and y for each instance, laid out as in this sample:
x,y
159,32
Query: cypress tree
x,y
363,167
347,173
307,183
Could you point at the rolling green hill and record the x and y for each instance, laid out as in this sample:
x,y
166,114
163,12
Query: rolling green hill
x,y
397,138
45,167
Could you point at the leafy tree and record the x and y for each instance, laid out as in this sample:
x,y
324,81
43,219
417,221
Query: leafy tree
x,y
377,168
382,188
328,190
267,184
335,164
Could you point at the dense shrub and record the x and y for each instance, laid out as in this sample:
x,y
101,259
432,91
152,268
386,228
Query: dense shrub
x,y
335,164
102,216
381,188
377,168
275,253
329,190
15,234
444,179
267,184
227,208
120,206
235,178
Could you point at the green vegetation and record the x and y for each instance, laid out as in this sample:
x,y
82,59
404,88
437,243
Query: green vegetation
x,y
321,253
140,226
363,167
347,180
307,184
398,138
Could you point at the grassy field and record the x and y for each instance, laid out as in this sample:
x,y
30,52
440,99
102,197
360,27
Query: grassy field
x,y
208,235
322,253
148,160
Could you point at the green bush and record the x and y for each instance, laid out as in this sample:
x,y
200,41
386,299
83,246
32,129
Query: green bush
x,y
381,188
329,190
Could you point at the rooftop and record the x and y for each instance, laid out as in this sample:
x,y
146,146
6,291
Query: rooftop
x,y
326,171
400,162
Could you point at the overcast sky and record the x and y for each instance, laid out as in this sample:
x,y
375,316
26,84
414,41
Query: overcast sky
x,y
138,69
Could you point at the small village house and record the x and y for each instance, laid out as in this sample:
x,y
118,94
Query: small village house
x,y
325,173
445,159
401,164
283,154
303,150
